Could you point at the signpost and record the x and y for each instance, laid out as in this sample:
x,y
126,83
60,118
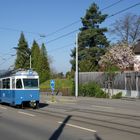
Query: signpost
x,y
52,85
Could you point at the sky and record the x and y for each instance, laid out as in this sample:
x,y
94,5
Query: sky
x,y
39,19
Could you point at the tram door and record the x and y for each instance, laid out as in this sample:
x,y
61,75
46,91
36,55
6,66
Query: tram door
x,y
128,86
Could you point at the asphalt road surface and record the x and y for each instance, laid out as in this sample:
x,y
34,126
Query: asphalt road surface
x,y
72,119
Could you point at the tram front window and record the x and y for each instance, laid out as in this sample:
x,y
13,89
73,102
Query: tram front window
x,y
30,83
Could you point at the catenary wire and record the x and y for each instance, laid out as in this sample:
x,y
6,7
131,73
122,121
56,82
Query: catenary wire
x,y
58,30
121,11
77,21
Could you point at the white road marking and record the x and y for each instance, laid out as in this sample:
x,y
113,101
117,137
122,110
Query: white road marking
x,y
76,126
107,107
3,107
26,113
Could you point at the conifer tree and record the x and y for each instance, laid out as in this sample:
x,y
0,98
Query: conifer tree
x,y
23,54
92,41
43,67
35,54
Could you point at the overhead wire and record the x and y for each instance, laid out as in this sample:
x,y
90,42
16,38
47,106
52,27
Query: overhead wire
x,y
2,58
77,21
18,30
121,11
69,25
111,5
67,34
56,31
61,47
9,58
7,53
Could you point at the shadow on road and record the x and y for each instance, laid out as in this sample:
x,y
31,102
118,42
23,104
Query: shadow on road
x,y
97,137
59,130
42,105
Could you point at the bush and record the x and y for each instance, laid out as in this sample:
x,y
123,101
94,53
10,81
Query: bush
x,y
87,90
117,96
92,90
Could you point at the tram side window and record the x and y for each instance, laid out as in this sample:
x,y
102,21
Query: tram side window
x,y
18,83
6,83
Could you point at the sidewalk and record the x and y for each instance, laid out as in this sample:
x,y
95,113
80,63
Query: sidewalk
x,y
91,103
57,99
60,98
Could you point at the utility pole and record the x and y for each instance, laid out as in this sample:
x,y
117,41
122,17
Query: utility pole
x,y
76,73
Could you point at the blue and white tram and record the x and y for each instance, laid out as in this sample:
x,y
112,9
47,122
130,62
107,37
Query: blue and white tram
x,y
20,88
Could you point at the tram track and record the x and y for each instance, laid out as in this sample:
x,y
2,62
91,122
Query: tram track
x,y
98,112
93,118
90,117
94,121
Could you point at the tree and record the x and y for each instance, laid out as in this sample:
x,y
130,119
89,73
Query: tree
x,y
120,56
43,67
60,75
23,54
35,54
68,75
92,41
127,29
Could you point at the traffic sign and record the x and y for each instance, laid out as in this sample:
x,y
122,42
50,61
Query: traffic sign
x,y
52,85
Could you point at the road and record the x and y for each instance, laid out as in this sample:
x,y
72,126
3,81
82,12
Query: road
x,y
72,119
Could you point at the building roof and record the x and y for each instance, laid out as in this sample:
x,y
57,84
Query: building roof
x,y
137,48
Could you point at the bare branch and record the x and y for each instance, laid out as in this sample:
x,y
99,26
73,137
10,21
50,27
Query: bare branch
x,y
127,29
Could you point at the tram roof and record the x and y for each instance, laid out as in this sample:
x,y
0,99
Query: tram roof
x,y
19,72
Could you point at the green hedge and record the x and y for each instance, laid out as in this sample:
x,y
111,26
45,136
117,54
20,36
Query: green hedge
x,y
92,90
